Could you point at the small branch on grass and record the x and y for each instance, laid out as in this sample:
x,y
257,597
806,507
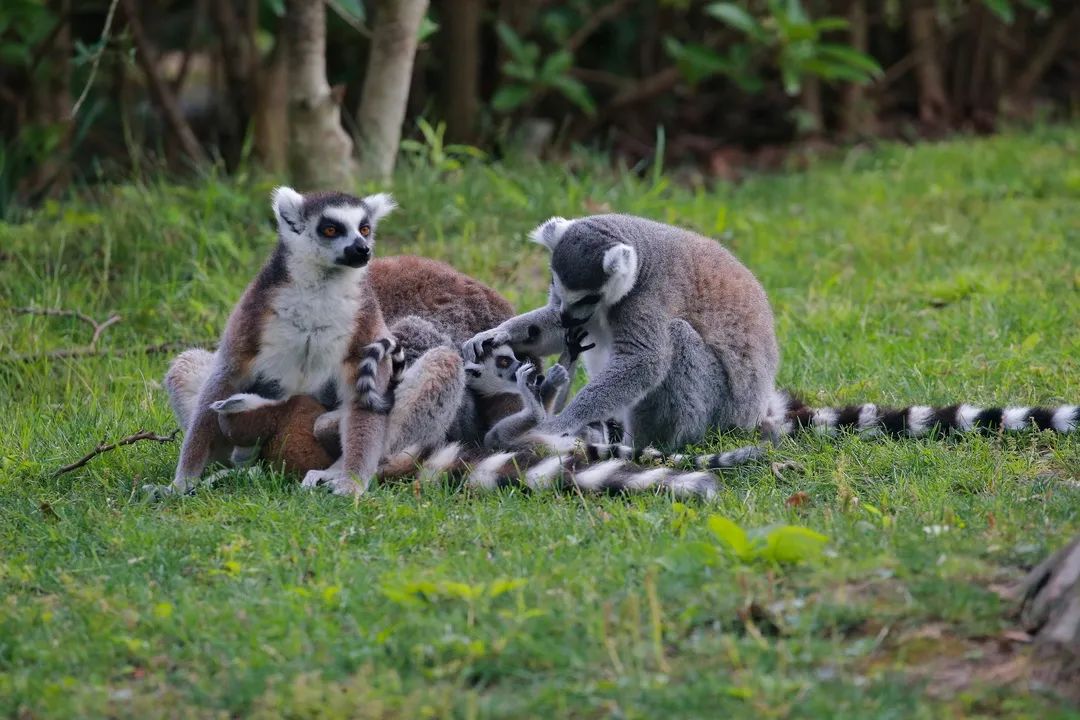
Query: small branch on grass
x,y
90,351
99,327
104,447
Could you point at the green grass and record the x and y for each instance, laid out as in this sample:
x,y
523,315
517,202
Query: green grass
x,y
945,272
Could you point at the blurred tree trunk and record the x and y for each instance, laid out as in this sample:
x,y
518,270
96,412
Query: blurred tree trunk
x,y
813,123
240,60
320,151
857,115
50,103
923,29
461,40
271,109
386,83
1050,611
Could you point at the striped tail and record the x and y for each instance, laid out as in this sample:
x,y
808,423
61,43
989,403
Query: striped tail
x,y
922,420
374,354
562,464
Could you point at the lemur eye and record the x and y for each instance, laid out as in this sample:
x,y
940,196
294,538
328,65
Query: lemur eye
x,y
329,231
502,362
365,230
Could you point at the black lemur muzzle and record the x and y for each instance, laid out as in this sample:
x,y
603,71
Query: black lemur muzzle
x,y
355,255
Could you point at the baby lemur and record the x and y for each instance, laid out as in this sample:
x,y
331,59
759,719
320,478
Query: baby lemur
x,y
685,342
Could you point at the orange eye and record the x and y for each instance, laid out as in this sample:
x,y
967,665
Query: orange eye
x,y
329,231
365,230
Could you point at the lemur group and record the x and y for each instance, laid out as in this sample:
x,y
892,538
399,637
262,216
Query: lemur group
x,y
342,368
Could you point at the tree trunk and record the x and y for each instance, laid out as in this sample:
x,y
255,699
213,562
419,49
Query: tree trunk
x,y
240,60
271,118
857,115
50,104
386,83
461,36
320,151
813,124
922,25
1050,611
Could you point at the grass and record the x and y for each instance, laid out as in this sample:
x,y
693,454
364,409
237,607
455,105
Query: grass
x,y
939,273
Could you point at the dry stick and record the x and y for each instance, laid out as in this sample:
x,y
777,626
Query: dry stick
x,y
90,351
104,447
97,57
99,327
594,22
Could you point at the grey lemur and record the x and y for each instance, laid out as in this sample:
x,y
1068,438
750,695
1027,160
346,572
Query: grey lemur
x,y
685,342
299,329
431,308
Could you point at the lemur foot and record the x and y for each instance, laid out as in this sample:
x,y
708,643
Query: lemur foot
x,y
336,481
328,424
241,402
483,343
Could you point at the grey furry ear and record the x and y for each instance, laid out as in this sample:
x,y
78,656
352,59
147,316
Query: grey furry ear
x,y
621,267
379,205
288,205
550,232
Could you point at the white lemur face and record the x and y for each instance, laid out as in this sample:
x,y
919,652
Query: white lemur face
x,y
495,373
330,229
591,270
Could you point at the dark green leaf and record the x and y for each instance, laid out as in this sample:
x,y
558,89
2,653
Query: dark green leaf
x,y
509,97
736,17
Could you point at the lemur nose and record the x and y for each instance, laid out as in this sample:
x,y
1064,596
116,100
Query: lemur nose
x,y
356,255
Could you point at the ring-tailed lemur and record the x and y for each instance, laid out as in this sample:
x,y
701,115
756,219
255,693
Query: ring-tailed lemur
x,y
526,459
685,342
431,309
298,329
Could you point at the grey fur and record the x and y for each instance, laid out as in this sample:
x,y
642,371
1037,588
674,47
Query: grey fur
x,y
684,332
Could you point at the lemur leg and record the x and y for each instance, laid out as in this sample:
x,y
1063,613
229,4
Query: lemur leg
x,y
184,381
682,408
426,401
203,440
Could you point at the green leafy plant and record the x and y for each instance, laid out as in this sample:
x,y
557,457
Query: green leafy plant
x,y
788,35
528,78
434,152
781,544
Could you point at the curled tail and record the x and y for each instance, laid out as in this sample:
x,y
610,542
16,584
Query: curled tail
x,y
184,380
373,355
565,464
921,420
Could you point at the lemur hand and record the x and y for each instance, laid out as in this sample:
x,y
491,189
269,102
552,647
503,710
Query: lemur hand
x,y
481,344
557,376
526,378
573,338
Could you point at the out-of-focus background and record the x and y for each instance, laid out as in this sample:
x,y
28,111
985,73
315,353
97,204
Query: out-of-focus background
x,y
94,90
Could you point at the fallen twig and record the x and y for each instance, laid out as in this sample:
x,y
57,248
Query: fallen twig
x,y
104,447
91,351
99,327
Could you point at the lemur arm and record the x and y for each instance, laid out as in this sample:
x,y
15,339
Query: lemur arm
x,y
638,364
536,332
533,412
555,400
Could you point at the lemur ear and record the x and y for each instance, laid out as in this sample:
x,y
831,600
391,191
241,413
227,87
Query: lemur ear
x,y
287,204
379,206
550,232
621,266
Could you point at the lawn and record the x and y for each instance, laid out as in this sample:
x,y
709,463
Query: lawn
x,y
947,272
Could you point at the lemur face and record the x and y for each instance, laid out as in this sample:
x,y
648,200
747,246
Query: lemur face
x,y
591,269
330,229
494,373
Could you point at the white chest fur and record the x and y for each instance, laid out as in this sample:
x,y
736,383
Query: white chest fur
x,y
306,335
597,358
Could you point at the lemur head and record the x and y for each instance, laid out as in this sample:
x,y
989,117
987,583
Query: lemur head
x,y
494,373
332,230
591,267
